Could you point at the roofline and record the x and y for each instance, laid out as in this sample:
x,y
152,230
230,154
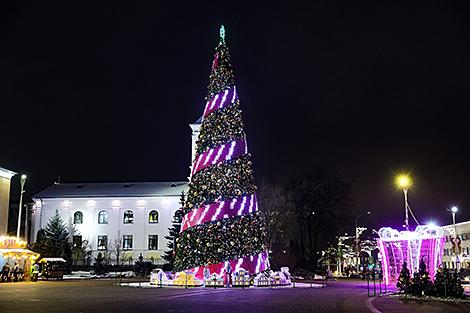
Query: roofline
x,y
456,224
6,173
104,196
123,182
35,196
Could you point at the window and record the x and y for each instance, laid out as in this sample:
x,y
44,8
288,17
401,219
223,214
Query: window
x,y
77,242
127,242
103,217
103,242
153,217
78,217
153,242
128,217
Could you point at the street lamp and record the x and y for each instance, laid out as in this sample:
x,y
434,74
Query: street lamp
x,y
22,182
403,181
454,210
357,239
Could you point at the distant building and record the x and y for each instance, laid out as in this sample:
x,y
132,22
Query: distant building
x,y
5,179
463,233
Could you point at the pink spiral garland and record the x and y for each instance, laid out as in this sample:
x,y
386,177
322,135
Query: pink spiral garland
x,y
218,210
220,100
228,208
219,154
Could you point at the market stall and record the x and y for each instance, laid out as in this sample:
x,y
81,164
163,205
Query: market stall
x,y
15,259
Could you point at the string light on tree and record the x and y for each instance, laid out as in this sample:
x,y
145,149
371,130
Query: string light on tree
x,y
221,224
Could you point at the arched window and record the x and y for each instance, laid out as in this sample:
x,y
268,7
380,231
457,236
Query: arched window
x,y
153,217
78,217
128,217
103,217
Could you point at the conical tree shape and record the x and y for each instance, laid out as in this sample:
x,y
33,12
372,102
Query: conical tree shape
x,y
221,224
404,280
173,233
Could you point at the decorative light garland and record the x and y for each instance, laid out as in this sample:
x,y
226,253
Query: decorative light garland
x,y
210,212
223,152
426,242
220,100
220,127
221,225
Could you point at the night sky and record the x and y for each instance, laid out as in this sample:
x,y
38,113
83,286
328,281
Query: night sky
x,y
105,92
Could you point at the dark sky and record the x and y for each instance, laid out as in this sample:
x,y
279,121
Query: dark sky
x,y
105,92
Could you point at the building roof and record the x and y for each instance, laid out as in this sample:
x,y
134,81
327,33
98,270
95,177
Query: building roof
x,y
6,173
461,224
98,190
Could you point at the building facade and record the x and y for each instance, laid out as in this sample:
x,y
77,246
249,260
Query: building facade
x,y
120,220
5,180
450,258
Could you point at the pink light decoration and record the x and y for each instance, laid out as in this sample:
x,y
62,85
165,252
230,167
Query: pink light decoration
x,y
425,243
210,212
220,100
253,264
219,154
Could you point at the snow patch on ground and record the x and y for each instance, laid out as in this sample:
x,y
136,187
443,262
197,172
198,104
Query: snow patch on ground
x,y
297,285
81,275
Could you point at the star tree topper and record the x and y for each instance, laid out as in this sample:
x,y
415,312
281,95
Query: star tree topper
x,y
222,34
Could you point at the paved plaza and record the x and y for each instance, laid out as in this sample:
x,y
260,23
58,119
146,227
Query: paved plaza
x,y
105,296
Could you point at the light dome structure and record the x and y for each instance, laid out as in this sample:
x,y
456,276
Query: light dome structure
x,y
426,243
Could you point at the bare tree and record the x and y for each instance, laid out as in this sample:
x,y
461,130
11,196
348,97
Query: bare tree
x,y
81,253
116,250
322,205
276,211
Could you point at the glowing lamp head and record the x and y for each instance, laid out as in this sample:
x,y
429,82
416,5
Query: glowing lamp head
x,y
23,177
403,181
454,209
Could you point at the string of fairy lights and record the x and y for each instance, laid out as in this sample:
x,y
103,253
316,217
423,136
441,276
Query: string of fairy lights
x,y
226,180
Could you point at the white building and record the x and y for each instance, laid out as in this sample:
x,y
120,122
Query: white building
x,y
133,216
463,233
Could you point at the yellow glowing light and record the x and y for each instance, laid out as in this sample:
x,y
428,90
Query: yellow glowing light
x,y
12,243
403,181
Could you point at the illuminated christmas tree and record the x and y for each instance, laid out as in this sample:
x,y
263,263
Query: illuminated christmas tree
x,y
404,280
221,223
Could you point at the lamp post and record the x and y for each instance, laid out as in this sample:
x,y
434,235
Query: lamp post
x,y
454,210
357,239
22,182
403,182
